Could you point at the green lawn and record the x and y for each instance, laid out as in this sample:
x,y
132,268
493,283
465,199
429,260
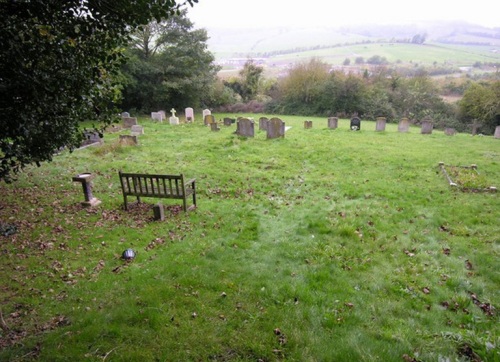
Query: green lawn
x,y
326,245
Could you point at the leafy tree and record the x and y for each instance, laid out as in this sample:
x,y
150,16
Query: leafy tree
x,y
58,65
481,103
248,85
169,66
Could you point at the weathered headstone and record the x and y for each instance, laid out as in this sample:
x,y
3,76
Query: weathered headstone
x,y
208,119
450,131
275,128
404,125
245,127
427,126
333,122
497,132
228,121
475,128
189,112
157,116
125,114
308,124
136,130
355,124
263,121
173,119
91,137
128,140
380,124
129,121
214,126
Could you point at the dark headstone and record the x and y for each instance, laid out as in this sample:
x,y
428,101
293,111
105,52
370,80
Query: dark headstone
x,y
355,124
427,126
245,127
263,121
308,124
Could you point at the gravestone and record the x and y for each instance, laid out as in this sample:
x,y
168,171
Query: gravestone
x,y
214,126
308,124
86,180
427,126
333,122
450,131
497,132
189,113
263,121
275,128
404,125
173,119
208,119
245,127
228,121
90,137
475,128
159,212
355,124
125,114
157,116
206,112
128,140
129,121
380,124
136,130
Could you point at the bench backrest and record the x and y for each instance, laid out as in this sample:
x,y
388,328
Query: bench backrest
x,y
148,184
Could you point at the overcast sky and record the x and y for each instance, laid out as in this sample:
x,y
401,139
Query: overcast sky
x,y
261,13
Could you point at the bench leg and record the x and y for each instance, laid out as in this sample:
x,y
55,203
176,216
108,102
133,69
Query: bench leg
x,y
125,202
184,203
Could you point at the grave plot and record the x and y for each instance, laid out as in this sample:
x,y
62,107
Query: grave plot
x,y
466,178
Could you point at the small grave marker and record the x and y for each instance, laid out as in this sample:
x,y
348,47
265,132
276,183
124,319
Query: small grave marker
x,y
173,119
380,124
404,125
245,127
189,113
355,124
427,126
263,122
308,124
333,122
129,121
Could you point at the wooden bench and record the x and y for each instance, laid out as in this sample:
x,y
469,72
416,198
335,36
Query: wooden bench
x,y
160,186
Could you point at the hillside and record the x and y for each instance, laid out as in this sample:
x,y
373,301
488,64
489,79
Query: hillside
x,y
451,44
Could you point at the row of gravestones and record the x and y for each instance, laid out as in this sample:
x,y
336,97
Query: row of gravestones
x,y
245,127
188,113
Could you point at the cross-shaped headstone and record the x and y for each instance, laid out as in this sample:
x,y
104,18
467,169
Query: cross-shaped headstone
x,y
173,112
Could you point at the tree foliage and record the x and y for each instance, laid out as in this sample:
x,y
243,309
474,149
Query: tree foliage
x,y
58,65
169,66
481,104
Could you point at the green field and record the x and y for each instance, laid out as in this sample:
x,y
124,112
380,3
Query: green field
x,y
325,245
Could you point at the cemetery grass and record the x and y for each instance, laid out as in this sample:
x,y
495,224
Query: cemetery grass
x,y
326,245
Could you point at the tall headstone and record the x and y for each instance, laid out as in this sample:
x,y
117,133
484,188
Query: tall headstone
x,y
245,127
208,119
263,121
404,125
355,124
189,112
380,124
497,132
333,122
427,126
308,124
173,119
129,121
275,128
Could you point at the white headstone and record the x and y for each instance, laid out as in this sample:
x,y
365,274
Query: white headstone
x,y
189,112
206,112
173,119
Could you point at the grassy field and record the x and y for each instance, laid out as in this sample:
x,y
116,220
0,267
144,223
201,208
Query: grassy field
x,y
326,245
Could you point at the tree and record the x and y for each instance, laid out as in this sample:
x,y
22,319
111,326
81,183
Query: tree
x,y
247,86
58,65
481,103
169,65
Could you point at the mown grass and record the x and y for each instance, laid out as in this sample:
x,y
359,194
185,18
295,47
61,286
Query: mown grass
x,y
327,245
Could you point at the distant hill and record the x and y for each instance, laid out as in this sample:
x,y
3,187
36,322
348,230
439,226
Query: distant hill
x,y
457,43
